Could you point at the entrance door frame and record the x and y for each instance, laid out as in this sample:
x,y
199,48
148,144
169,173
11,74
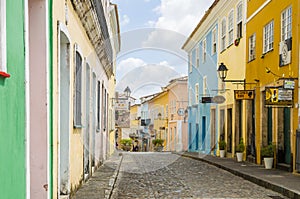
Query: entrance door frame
x,y
63,32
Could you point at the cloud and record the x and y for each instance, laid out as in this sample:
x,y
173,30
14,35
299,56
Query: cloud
x,y
128,65
176,22
125,20
181,16
147,78
165,63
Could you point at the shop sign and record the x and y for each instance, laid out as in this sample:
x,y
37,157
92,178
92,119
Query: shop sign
x,y
289,84
206,100
121,105
279,97
244,94
218,99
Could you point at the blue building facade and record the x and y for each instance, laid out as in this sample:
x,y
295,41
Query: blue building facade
x,y
203,85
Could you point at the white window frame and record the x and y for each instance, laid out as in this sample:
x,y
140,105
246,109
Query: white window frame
x,y
268,37
78,118
190,96
223,34
3,67
204,51
196,93
197,57
214,41
286,24
230,28
252,47
204,85
190,62
239,20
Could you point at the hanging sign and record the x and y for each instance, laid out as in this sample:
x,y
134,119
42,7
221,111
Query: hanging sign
x,y
289,84
244,94
279,97
218,99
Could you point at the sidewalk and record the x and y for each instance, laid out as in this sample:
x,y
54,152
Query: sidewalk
x,y
102,182
283,182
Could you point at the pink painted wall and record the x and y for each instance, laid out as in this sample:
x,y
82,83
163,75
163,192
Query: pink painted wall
x,y
178,92
38,98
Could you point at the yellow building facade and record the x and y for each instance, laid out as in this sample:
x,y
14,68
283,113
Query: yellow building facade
x,y
232,41
158,112
80,93
272,60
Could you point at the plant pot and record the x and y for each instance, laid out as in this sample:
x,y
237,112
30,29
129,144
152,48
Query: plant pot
x,y
239,156
222,153
158,148
268,163
126,148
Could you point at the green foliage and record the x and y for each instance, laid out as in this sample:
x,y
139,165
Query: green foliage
x,y
126,142
222,145
240,148
158,142
268,151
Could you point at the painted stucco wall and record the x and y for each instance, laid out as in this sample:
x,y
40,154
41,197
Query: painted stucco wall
x,y
12,106
256,69
38,99
234,59
78,36
178,98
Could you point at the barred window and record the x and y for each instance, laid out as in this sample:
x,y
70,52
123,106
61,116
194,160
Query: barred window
x,y
78,90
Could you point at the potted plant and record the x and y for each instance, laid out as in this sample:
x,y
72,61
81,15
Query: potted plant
x,y
240,148
126,144
222,147
158,144
268,154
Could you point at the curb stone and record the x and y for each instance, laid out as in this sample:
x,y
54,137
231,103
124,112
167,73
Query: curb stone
x,y
264,183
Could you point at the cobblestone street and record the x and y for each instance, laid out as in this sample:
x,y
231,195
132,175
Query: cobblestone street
x,y
166,175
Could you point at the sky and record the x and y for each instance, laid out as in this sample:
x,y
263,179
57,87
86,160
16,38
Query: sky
x,y
152,34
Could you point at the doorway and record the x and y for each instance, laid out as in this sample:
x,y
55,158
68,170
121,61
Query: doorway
x,y
197,137
64,115
86,137
203,132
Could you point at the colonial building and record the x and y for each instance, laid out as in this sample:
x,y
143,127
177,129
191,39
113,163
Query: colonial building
x,y
273,60
202,48
177,139
84,50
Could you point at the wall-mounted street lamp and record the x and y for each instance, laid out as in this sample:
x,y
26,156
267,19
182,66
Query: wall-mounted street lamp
x,y
222,72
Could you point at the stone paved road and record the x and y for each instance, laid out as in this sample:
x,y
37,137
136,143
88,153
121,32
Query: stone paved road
x,y
166,175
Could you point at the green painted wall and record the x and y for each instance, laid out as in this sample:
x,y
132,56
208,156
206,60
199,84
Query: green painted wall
x,y
12,107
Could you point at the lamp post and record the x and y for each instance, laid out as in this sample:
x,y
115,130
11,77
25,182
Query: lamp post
x,y
222,72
